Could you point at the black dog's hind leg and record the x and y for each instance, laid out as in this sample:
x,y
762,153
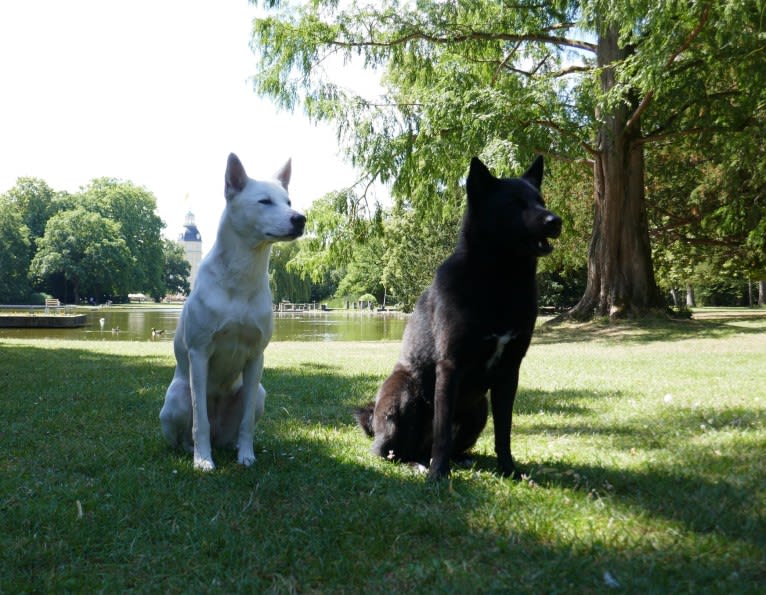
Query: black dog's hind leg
x,y
502,396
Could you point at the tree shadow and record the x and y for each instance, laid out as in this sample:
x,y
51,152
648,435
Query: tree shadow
x,y
316,506
719,505
652,330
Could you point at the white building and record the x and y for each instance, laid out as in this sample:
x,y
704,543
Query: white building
x,y
191,240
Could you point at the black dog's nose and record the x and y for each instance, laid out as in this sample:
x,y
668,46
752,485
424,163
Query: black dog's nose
x,y
298,221
552,226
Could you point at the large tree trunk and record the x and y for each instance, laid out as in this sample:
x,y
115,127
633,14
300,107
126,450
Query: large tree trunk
x,y
620,275
762,293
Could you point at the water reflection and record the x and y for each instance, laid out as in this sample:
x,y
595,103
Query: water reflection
x,y
136,324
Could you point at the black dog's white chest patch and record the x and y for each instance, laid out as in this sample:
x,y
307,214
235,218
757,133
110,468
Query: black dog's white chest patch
x,y
501,342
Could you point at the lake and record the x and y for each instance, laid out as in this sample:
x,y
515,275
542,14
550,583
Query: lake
x,y
136,323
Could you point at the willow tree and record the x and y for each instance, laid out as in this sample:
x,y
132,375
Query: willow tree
x,y
594,82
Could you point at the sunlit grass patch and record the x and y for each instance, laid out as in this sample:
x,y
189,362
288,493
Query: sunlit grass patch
x,y
643,450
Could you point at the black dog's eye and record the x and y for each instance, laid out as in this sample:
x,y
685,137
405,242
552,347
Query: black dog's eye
x,y
266,201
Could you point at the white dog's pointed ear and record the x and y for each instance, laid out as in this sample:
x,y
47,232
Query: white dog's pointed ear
x,y
534,174
236,178
283,175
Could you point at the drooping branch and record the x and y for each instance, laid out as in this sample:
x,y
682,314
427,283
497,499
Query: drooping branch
x,y
471,36
673,134
588,148
672,58
561,157
506,61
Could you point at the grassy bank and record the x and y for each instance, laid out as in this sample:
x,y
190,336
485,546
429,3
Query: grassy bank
x,y
644,445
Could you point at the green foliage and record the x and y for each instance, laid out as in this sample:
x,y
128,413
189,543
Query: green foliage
x,y
331,231
176,269
35,202
503,82
560,290
87,250
287,285
722,221
14,255
133,259
415,247
140,227
363,274
568,192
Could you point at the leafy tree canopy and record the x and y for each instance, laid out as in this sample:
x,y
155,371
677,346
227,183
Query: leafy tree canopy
x,y
176,268
14,254
88,250
135,209
35,202
589,82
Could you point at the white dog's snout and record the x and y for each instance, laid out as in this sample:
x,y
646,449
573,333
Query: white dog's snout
x,y
299,222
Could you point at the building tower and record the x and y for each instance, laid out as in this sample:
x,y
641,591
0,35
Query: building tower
x,y
191,240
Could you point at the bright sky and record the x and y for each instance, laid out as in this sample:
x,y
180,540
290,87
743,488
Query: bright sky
x,y
151,91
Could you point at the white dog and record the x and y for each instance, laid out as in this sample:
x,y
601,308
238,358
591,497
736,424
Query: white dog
x,y
216,397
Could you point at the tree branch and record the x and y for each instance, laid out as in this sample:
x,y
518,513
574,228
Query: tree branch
x,y
505,61
554,126
562,157
684,46
658,137
472,36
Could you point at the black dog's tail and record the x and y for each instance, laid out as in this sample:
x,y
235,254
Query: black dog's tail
x,y
363,416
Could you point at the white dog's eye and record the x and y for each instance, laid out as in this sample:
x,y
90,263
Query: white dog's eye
x,y
266,201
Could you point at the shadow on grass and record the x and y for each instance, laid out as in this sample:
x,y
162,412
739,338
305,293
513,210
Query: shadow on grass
x,y
706,326
703,503
91,494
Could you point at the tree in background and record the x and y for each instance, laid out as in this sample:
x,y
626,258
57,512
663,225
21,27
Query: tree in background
x,y
14,255
64,264
86,251
176,269
135,209
35,202
591,82
287,285
363,273
415,247
719,229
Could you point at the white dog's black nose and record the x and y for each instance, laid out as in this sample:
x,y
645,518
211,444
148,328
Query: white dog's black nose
x,y
299,222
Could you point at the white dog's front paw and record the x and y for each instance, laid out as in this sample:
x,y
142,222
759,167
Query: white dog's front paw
x,y
203,464
246,458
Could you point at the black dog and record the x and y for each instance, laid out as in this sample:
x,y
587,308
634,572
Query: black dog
x,y
469,331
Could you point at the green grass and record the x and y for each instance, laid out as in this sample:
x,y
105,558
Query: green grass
x,y
644,447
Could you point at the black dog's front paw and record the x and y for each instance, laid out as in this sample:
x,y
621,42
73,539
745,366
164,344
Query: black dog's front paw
x,y
508,468
438,470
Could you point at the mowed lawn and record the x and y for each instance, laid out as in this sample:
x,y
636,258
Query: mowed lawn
x,y
644,448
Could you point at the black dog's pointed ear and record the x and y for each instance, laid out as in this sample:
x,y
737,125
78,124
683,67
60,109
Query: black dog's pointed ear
x,y
236,178
478,178
534,174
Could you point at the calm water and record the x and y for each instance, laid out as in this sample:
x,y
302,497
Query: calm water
x,y
135,324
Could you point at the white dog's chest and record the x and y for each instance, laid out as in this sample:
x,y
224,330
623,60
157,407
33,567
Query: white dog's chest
x,y
231,346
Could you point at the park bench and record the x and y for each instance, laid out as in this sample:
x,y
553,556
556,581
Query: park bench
x,y
51,303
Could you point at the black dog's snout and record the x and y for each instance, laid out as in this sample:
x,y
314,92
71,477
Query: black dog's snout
x,y
552,226
298,221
